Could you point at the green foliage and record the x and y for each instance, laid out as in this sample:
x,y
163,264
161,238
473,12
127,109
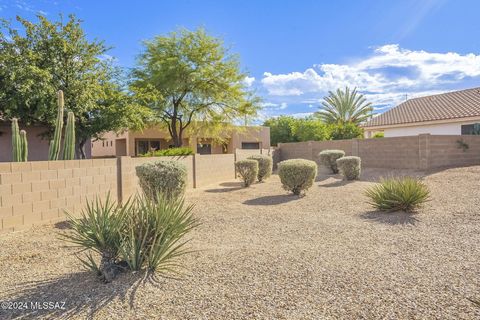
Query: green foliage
x,y
99,230
281,129
182,151
329,158
143,233
462,145
154,233
345,131
69,143
350,167
190,80
54,150
265,164
168,178
394,194
23,146
342,107
297,175
44,56
289,129
247,170
378,135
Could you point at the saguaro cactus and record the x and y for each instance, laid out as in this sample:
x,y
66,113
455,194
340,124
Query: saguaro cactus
x,y
54,150
16,147
69,143
23,146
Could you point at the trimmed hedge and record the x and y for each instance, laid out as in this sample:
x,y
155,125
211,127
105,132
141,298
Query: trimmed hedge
x,y
169,178
297,175
350,167
329,158
265,164
247,170
181,151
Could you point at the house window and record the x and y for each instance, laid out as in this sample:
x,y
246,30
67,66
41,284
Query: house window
x,y
204,148
144,146
471,129
250,145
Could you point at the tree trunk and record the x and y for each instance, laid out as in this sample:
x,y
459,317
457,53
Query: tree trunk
x,y
81,148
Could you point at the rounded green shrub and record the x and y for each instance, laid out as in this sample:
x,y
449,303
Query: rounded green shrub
x,y
329,158
265,164
395,194
297,175
349,167
247,170
168,178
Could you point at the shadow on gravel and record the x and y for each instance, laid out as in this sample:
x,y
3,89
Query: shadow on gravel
x,y
230,186
338,183
391,218
271,200
73,294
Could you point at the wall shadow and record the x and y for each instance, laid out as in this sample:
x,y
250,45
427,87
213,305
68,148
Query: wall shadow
x,y
391,218
80,292
271,200
337,183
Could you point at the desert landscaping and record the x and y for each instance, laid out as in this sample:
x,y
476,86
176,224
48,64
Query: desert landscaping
x,y
261,253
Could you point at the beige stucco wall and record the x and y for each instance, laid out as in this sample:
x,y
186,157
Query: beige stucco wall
x,y
106,148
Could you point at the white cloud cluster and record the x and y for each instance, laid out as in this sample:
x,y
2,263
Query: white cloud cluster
x,y
248,81
385,77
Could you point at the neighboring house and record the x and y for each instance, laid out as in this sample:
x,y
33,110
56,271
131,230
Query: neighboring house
x,y
452,113
134,143
37,144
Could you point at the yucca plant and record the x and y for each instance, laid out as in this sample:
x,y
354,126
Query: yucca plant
x,y
99,229
398,194
155,233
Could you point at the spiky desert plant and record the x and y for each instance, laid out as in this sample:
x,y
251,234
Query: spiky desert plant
x,y
54,150
395,194
16,144
23,146
69,141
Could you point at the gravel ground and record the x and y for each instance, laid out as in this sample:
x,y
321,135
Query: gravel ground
x,y
263,254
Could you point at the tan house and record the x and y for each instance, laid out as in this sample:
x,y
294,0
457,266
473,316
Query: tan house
x,y
134,143
452,113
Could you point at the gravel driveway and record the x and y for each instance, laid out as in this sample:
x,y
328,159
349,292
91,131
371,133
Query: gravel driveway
x,y
263,254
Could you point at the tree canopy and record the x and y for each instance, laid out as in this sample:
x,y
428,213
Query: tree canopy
x,y
46,56
345,106
189,79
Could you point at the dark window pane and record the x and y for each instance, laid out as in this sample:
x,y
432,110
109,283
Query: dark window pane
x,y
205,148
142,147
250,145
471,129
154,145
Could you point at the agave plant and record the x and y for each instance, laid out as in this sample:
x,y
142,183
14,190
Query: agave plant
x,y
395,194
155,233
99,230
343,107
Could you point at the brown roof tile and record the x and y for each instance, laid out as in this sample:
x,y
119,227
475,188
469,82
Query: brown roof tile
x,y
450,105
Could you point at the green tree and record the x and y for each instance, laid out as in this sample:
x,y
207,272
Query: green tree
x,y
345,107
281,129
309,129
344,131
47,56
189,79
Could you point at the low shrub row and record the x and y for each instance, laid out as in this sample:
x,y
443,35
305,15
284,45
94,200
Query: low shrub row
x,y
349,167
256,167
181,151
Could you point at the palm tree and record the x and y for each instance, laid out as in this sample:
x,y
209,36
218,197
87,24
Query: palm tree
x,y
345,107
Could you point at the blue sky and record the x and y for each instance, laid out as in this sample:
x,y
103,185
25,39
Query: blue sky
x,y
295,51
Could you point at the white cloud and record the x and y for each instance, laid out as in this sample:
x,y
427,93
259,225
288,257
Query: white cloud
x,y
274,106
385,76
248,81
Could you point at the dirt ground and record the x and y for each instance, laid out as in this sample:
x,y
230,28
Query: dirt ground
x,y
263,254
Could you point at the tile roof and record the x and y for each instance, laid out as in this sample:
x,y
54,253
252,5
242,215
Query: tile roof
x,y
450,105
